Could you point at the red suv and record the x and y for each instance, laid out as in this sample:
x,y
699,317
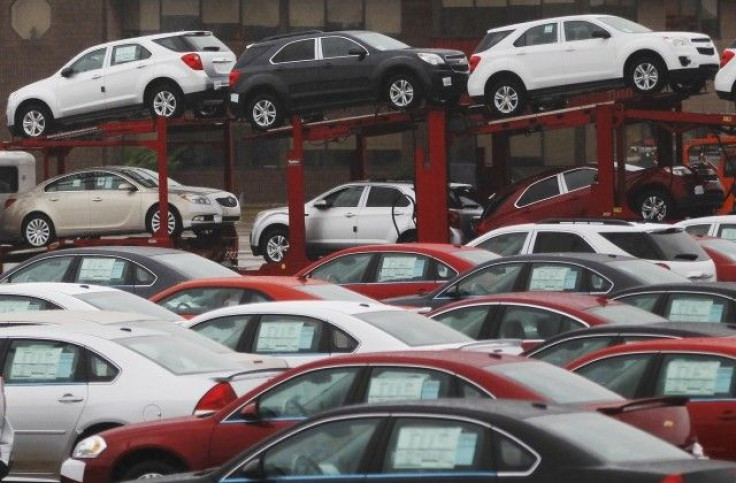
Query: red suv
x,y
655,194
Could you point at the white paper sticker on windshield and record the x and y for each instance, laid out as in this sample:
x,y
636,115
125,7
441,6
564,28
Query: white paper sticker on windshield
x,y
691,378
465,453
279,337
400,268
36,362
553,279
102,269
395,388
693,310
548,29
426,448
15,306
306,337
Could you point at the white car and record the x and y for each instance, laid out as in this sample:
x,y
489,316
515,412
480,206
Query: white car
x,y
721,226
661,244
516,63
303,331
725,81
64,384
163,73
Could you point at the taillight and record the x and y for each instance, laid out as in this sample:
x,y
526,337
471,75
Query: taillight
x,y
673,479
194,61
9,202
727,55
219,396
233,77
474,61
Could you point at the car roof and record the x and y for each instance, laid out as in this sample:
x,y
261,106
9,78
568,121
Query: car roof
x,y
708,219
145,251
722,288
547,20
595,225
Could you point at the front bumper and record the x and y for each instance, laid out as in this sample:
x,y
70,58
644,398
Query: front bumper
x,y
72,471
447,85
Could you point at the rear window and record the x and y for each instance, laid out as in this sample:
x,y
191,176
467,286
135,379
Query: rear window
x,y
252,53
195,42
413,329
491,39
334,292
127,302
625,314
647,272
670,244
8,179
194,266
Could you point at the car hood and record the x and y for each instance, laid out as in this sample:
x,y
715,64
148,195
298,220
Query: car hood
x,y
281,210
34,88
194,189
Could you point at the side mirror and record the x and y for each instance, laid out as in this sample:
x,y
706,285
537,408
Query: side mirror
x,y
360,53
125,186
600,34
321,204
252,469
249,412
67,72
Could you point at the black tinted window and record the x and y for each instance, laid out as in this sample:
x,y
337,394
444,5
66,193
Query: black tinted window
x,y
580,178
636,244
296,51
579,30
701,230
90,61
676,244
196,42
380,196
539,35
345,198
339,47
491,39
8,179
552,242
546,188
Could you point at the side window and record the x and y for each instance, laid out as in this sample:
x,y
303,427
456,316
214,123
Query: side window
x,y
288,334
539,35
334,448
696,376
511,456
531,323
296,51
308,394
599,284
541,190
339,47
383,197
347,269
701,230
726,231
201,300
436,445
468,320
50,270
74,182
494,279
621,374
228,331
579,178
635,244
345,198
103,271
19,303
556,242
555,277
106,182
579,30
644,301
403,267
444,272
567,351
505,245
251,297
99,369
43,362
697,308
399,384
342,342
128,53
141,276
90,61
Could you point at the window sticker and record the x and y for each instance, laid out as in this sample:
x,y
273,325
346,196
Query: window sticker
x,y
279,337
723,380
400,268
401,387
691,378
306,336
553,279
465,452
37,362
548,29
728,233
695,310
125,54
101,269
427,448
15,306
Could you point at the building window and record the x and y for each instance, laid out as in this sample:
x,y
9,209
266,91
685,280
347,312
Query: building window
x,y
30,18
380,15
693,16
344,14
180,7
383,16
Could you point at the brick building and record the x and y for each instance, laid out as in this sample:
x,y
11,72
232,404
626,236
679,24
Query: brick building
x,y
38,36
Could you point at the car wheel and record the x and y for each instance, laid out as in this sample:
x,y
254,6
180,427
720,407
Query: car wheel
x,y
507,97
655,205
153,221
264,111
165,100
402,91
647,74
147,469
34,120
38,230
275,244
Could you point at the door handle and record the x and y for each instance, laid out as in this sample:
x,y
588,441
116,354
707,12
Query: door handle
x,y
70,398
97,76
141,66
96,199
349,215
53,199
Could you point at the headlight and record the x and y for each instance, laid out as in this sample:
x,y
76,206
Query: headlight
x,y
678,41
89,448
196,199
433,59
679,170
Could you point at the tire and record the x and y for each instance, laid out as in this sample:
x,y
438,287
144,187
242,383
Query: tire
x,y
38,230
152,221
34,120
647,74
654,205
275,244
402,91
146,469
507,97
165,100
264,111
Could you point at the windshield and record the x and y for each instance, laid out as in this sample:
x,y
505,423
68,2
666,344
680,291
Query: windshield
x,y
555,384
607,439
476,257
146,177
623,25
648,272
625,314
413,329
178,356
194,266
677,245
127,302
463,197
379,41
334,292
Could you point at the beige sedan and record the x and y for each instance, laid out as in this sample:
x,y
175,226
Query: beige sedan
x,y
108,201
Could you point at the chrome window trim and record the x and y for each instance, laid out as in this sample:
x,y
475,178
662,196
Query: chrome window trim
x,y
517,304
155,277
559,187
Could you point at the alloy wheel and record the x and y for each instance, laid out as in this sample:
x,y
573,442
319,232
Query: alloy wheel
x,y
164,103
277,247
654,208
401,93
506,99
38,232
156,222
34,123
264,113
646,76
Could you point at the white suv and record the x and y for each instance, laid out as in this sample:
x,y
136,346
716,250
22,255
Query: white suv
x,y
665,245
162,72
551,57
725,81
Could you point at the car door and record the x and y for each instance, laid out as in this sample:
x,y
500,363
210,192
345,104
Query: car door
x,y
332,223
296,66
129,70
385,215
538,55
281,406
398,274
68,202
46,392
346,73
82,91
588,58
115,207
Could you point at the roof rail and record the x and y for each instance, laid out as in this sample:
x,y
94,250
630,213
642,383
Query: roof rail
x,y
292,34
602,221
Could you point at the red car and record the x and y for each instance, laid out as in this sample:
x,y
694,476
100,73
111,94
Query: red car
x,y
195,297
536,316
655,194
194,443
383,271
701,369
723,254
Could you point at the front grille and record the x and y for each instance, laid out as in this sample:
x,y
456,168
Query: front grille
x,y
706,50
228,201
457,62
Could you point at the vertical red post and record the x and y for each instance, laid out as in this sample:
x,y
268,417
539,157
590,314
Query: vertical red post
x,y
296,257
357,169
604,189
431,182
162,235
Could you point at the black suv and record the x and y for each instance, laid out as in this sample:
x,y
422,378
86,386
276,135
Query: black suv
x,y
310,71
